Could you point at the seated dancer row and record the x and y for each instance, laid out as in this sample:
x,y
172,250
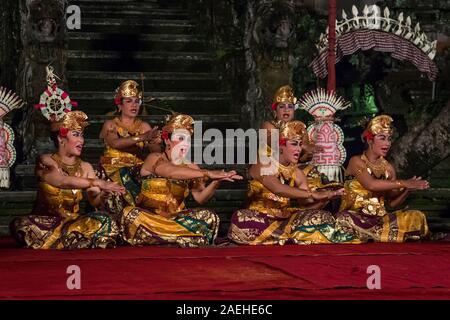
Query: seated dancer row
x,y
161,218
55,222
370,179
268,217
152,193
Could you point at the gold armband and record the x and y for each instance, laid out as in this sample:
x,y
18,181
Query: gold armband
x,y
137,139
400,184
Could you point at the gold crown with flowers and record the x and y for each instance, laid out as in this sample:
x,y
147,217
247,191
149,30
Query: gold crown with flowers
x,y
74,120
292,130
127,89
378,124
179,121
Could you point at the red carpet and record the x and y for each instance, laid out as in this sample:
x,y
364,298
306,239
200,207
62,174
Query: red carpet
x,y
408,271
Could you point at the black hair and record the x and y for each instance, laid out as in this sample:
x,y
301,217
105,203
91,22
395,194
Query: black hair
x,y
54,138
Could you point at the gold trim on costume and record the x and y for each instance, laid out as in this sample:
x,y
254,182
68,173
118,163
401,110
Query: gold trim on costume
x,y
69,169
379,170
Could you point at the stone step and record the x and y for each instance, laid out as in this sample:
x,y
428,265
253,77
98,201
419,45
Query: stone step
x,y
137,25
187,102
135,42
131,11
115,3
153,81
79,60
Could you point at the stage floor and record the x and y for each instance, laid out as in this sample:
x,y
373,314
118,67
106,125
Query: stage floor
x,y
408,271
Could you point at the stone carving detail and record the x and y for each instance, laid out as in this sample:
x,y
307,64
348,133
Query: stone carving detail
x,y
43,37
269,42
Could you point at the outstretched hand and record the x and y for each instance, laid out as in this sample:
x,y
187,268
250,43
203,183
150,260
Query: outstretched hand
x,y
416,183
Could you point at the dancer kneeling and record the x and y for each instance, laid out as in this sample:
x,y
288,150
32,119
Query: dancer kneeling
x,y
160,216
55,222
127,140
268,217
369,180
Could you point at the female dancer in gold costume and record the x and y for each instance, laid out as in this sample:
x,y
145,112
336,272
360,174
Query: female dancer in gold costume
x,y
268,217
127,140
283,108
55,222
160,216
370,181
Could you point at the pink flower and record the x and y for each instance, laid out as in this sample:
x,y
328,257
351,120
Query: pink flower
x,y
165,135
367,135
63,132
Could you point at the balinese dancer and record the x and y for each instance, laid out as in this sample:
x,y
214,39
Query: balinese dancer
x,y
268,217
370,180
283,107
160,216
127,141
55,222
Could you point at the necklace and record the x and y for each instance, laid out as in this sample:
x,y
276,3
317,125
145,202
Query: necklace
x,y
378,169
133,129
69,169
287,172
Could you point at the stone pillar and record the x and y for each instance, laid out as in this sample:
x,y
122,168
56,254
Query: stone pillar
x,y
43,41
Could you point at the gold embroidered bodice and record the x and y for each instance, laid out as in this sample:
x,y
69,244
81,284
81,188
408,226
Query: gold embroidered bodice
x,y
359,199
163,195
54,201
114,159
262,200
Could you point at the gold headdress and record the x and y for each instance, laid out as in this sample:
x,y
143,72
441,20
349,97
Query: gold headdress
x,y
179,121
127,89
379,124
284,94
292,130
74,120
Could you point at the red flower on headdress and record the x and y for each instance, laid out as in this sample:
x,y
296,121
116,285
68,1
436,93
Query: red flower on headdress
x,y
118,101
367,135
63,132
165,135
283,141
274,106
